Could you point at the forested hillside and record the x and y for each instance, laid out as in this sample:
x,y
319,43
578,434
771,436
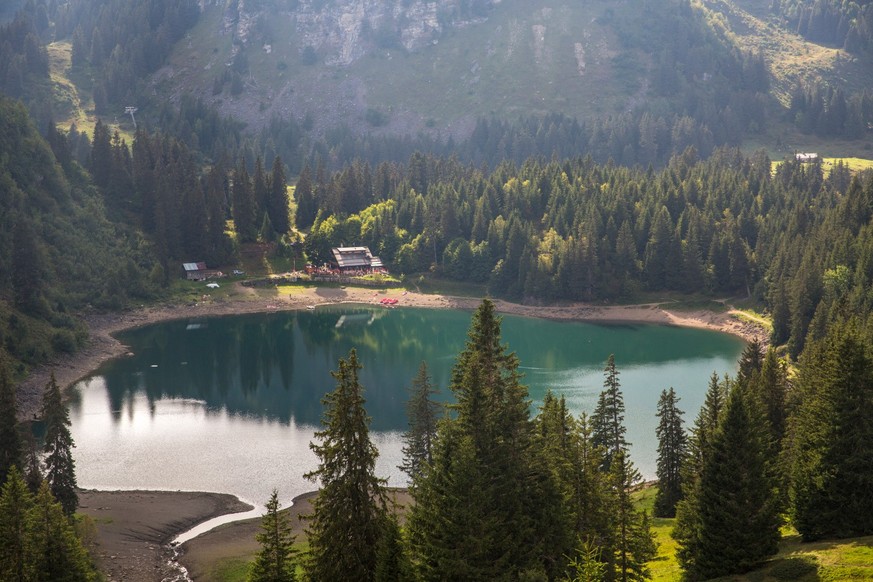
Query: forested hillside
x,y
58,252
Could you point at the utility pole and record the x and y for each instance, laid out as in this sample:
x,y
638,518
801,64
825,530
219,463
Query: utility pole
x,y
131,111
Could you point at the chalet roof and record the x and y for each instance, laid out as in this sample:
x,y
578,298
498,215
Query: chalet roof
x,y
354,257
189,267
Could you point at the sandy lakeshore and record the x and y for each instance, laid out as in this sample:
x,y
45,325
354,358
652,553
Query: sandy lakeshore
x,y
134,528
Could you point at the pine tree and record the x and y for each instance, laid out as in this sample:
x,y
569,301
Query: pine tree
x,y
733,532
672,448
275,561
348,513
60,469
608,419
423,413
10,439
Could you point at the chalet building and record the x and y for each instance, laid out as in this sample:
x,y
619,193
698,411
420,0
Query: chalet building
x,y
199,272
357,260
806,157
195,271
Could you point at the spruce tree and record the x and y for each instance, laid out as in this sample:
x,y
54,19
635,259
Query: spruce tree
x,y
470,520
60,468
244,208
15,503
831,431
275,561
392,561
736,518
632,543
608,419
423,413
307,206
54,551
277,198
10,439
348,513
672,448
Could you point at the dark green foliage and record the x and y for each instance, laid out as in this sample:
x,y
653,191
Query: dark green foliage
x,y
10,439
349,511
60,468
830,432
392,561
276,559
244,209
58,251
423,414
470,520
672,451
607,422
732,520
15,502
307,206
28,277
631,544
37,541
277,199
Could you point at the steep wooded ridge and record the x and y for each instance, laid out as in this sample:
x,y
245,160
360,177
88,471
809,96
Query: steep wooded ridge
x,y
58,252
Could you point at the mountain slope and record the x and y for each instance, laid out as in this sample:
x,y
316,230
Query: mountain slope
x,y
523,58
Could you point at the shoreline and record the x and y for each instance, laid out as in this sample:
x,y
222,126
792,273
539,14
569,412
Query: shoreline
x,y
134,529
102,346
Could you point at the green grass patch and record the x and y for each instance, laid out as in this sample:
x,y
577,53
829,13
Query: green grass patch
x,y
230,570
754,317
694,305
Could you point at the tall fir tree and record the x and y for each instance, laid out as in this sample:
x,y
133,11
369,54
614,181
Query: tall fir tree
x,y
672,449
244,207
632,544
607,421
56,552
28,269
469,520
276,558
60,468
732,533
423,413
307,207
277,198
10,438
15,503
831,431
348,514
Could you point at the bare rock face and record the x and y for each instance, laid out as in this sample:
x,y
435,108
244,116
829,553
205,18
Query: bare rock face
x,y
342,31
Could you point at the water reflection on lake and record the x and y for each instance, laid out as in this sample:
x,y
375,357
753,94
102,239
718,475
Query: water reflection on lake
x,y
230,404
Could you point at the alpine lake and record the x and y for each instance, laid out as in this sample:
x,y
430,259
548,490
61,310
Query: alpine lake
x,y
230,404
